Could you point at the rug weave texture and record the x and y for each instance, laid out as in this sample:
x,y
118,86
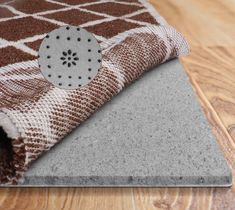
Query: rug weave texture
x,y
35,115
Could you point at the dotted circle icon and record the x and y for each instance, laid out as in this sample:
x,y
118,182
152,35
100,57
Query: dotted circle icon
x,y
69,57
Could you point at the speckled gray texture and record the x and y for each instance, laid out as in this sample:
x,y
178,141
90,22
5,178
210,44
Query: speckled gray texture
x,y
154,133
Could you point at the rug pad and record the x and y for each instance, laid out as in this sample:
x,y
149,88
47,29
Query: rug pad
x,y
152,134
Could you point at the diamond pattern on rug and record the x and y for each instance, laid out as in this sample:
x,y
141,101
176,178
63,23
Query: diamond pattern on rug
x,y
111,28
38,6
13,55
144,17
99,16
74,17
24,27
111,8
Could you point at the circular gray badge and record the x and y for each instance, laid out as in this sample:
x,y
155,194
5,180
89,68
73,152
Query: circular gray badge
x,y
69,57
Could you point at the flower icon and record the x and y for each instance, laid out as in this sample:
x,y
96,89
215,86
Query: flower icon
x,y
69,58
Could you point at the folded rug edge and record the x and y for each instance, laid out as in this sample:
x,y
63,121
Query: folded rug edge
x,y
162,33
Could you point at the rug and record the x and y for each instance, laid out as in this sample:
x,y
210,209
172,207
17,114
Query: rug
x,y
35,115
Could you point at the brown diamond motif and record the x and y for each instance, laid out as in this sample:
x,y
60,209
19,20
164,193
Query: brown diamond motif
x,y
74,17
111,28
114,9
34,6
146,17
12,55
24,27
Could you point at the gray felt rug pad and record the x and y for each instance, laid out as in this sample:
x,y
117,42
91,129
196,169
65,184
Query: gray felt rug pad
x,y
154,133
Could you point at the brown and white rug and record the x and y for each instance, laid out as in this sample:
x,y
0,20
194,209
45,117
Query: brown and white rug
x,y
35,115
